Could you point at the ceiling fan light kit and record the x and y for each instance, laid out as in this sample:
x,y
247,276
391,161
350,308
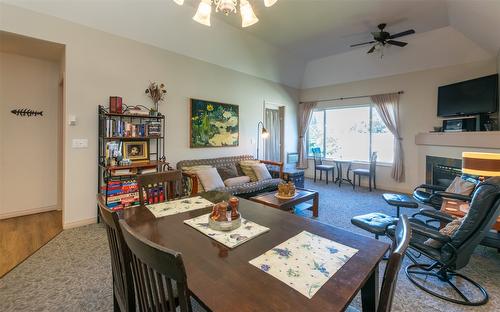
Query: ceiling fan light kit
x,y
204,10
381,38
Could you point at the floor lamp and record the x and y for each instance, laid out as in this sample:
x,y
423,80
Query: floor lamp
x,y
264,134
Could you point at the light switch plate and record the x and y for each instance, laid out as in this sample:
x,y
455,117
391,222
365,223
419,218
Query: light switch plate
x,y
80,143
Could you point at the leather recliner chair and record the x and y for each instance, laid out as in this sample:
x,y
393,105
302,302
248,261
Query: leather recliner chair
x,y
456,250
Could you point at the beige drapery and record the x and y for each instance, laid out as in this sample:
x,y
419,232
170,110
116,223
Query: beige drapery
x,y
387,106
305,115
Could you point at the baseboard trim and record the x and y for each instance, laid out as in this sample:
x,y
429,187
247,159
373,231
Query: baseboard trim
x,y
74,224
27,212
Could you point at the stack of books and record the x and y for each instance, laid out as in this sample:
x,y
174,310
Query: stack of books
x,y
121,194
119,128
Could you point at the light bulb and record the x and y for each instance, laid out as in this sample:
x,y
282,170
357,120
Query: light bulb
x,y
248,18
181,2
202,15
268,3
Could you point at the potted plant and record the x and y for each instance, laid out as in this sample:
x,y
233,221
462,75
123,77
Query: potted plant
x,y
157,93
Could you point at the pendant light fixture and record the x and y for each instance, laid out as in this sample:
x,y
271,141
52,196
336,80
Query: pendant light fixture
x,y
204,10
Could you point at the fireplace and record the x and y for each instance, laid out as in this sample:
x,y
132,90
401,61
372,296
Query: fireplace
x,y
441,170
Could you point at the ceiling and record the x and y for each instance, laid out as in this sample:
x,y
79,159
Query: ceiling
x,y
318,28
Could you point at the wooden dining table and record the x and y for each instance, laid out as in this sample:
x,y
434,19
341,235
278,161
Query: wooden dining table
x,y
223,280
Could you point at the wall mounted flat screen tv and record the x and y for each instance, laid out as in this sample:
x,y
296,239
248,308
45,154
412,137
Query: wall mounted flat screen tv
x,y
471,97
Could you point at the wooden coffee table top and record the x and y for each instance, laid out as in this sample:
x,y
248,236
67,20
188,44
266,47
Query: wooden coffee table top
x,y
270,199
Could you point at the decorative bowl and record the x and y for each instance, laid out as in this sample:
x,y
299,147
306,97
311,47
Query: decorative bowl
x,y
278,196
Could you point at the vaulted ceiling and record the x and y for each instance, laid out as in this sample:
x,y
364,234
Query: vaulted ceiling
x,y
293,33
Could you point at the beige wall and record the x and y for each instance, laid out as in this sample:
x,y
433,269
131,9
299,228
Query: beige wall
x,y
99,65
28,145
417,111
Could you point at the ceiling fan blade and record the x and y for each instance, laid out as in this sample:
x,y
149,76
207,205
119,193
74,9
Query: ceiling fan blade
x,y
360,44
397,43
371,50
401,34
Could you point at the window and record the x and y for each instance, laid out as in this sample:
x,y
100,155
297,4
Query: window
x,y
351,133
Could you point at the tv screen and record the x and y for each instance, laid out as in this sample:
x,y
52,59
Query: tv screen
x,y
471,97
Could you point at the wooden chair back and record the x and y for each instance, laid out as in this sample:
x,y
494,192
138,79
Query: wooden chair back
x,y
159,186
402,238
317,156
123,285
157,271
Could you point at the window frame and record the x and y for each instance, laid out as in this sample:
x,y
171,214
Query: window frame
x,y
323,151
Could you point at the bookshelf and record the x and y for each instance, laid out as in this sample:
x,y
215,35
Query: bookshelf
x,y
117,184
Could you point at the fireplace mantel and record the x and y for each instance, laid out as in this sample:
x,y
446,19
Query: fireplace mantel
x,y
484,139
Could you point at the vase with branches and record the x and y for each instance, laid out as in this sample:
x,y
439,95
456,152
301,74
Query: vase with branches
x,y
157,92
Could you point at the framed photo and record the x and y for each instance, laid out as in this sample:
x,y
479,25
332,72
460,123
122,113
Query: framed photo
x,y
136,150
214,124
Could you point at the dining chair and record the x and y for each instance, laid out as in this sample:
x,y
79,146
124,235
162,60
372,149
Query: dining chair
x,y
318,165
159,186
400,235
370,173
158,275
123,286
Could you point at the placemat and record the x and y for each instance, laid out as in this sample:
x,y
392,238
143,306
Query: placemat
x,y
304,262
231,239
178,206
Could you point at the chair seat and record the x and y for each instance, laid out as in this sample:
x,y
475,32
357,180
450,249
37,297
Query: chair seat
x,y
324,167
375,222
361,172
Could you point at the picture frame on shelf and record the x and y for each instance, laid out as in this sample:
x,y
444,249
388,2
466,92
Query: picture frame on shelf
x,y
136,150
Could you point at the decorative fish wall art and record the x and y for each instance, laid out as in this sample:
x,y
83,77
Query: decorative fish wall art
x,y
25,112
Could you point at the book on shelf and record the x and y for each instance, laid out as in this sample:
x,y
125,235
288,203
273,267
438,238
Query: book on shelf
x,y
125,129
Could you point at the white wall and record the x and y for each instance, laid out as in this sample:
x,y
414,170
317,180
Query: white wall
x,y
417,110
29,162
99,65
433,49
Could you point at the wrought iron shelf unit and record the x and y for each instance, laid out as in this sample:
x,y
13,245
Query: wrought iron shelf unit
x,y
106,172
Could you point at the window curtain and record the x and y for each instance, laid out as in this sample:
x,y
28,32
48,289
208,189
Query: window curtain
x,y
387,106
272,143
305,115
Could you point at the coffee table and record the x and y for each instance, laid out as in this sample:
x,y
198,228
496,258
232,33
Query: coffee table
x,y
302,196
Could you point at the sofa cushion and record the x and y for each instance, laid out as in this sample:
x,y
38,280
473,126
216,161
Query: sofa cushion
x,y
193,170
261,172
227,172
246,167
236,181
210,179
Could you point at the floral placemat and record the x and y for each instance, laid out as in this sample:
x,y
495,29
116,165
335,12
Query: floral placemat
x,y
231,239
304,262
178,206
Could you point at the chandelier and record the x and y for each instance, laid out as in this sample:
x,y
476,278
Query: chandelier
x,y
204,11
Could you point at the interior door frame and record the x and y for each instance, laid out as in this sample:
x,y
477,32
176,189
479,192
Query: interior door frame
x,y
281,110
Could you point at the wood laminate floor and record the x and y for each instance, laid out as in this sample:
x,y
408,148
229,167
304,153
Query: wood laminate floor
x,y
20,237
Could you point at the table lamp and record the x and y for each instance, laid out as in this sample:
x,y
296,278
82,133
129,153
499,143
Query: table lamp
x,y
482,165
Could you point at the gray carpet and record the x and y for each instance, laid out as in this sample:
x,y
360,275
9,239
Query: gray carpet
x,y
73,273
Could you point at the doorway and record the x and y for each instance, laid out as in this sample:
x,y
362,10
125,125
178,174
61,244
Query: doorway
x,y
31,156
274,122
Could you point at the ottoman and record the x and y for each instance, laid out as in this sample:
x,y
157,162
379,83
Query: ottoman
x,y
399,200
375,223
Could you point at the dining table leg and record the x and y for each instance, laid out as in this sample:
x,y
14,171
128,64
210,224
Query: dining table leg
x,y
370,292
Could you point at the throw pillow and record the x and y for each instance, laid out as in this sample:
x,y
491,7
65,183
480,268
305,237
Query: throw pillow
x,y
210,179
193,170
236,181
448,230
246,167
261,172
227,172
458,186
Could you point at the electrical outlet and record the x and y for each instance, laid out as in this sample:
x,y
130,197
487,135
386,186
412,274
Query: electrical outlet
x,y
80,143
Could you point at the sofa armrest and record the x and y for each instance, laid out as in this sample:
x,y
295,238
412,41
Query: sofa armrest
x,y
455,196
429,232
436,215
194,182
275,163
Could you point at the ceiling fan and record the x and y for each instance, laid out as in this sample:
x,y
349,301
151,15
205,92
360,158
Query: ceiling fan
x,y
381,38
